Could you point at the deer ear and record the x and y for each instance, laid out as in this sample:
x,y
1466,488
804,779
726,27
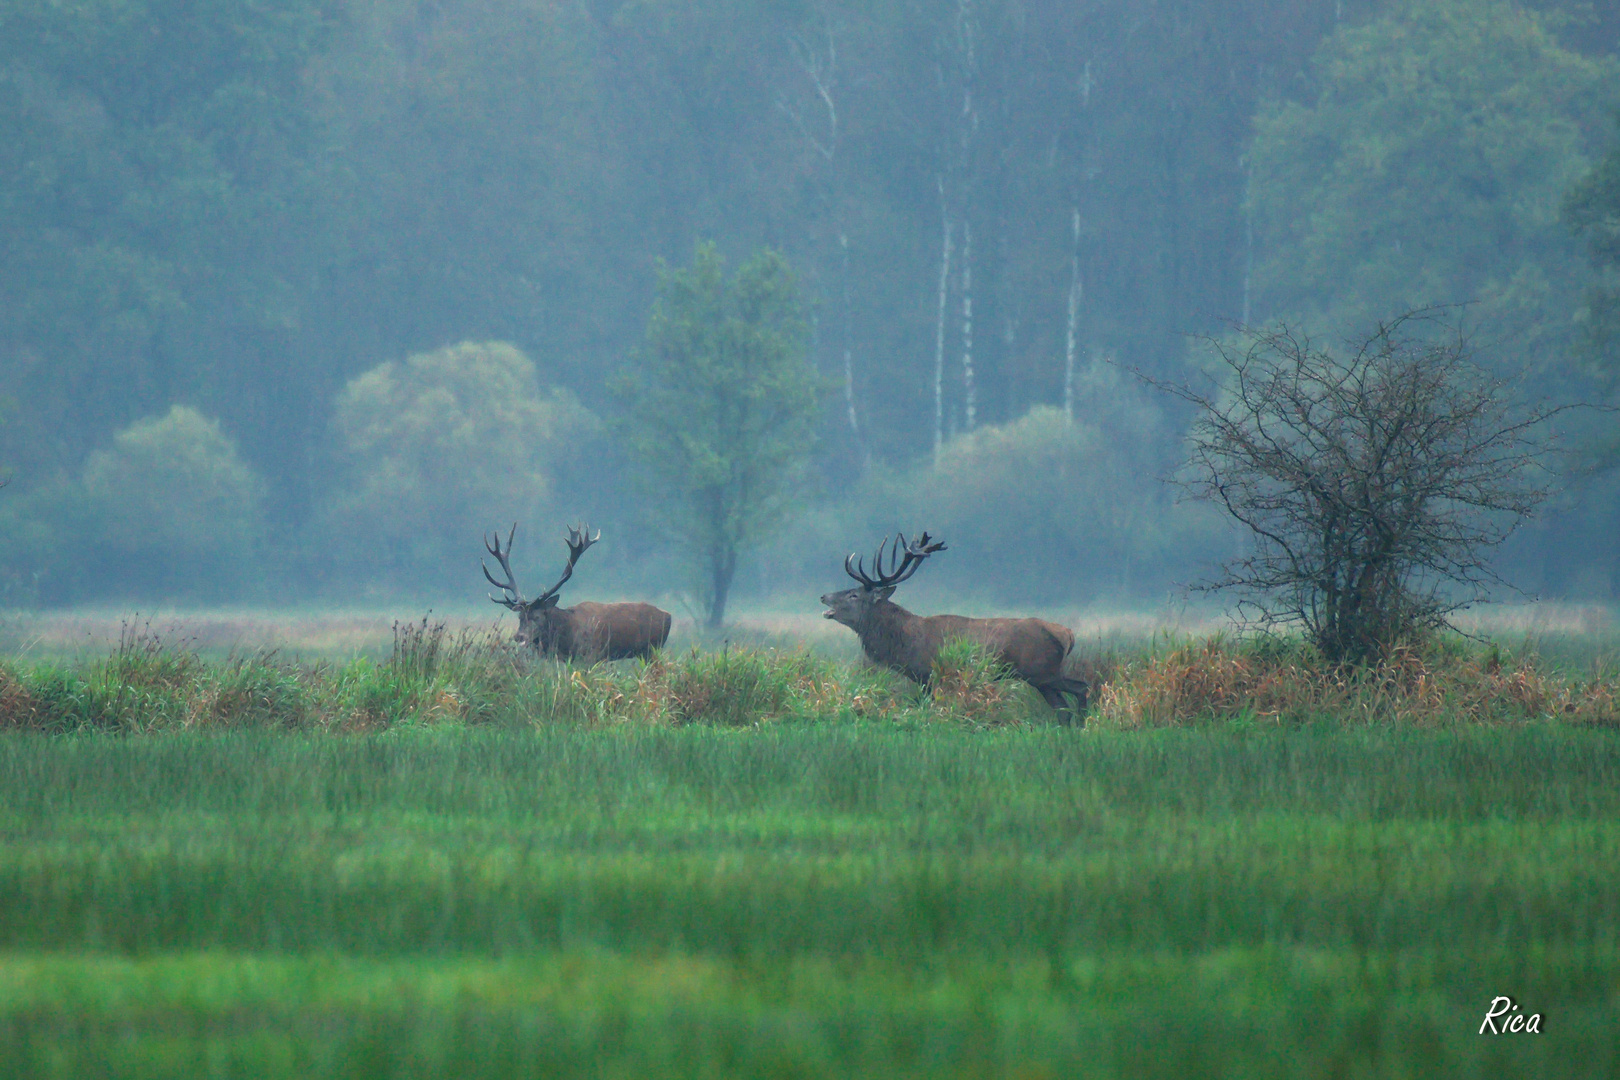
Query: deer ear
x,y
885,592
545,603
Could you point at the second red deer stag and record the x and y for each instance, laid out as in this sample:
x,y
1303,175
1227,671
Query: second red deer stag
x,y
586,632
890,635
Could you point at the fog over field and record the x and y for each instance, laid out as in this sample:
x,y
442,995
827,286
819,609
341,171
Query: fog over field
x,y
324,323
1555,629
298,300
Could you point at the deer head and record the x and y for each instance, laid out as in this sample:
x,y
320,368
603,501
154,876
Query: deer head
x,y
853,607
535,617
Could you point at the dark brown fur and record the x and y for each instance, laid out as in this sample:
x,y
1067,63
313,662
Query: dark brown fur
x,y
590,632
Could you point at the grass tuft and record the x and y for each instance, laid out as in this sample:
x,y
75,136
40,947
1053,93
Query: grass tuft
x,y
1277,681
970,683
435,675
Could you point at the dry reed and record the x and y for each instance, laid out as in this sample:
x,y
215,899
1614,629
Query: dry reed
x,y
1221,679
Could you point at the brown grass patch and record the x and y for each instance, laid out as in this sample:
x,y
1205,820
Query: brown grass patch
x,y
1218,679
18,709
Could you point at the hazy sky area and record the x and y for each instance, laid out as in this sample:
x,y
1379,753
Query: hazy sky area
x,y
298,298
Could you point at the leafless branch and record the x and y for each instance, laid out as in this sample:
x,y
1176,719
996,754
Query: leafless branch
x,y
1373,486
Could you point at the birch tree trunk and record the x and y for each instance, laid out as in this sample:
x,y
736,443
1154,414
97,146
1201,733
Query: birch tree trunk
x,y
939,325
1248,245
970,397
821,68
1073,342
967,29
1012,315
849,358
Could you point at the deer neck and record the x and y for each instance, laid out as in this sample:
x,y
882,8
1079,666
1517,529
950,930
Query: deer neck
x,y
556,636
889,636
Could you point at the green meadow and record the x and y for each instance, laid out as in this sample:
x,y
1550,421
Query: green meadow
x,y
443,861
840,898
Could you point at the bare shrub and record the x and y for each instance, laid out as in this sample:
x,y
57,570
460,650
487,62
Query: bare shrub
x,y
1373,486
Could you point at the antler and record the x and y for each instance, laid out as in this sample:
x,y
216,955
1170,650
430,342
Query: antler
x,y
904,559
492,543
578,540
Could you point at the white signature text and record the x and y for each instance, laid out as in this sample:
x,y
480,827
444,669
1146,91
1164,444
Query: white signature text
x,y
1504,1017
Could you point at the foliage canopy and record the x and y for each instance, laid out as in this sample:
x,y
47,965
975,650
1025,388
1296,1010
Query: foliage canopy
x,y
1593,208
721,413
1056,505
433,450
173,504
1429,167
244,206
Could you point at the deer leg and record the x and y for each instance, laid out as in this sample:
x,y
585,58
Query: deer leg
x,y
1054,697
1082,694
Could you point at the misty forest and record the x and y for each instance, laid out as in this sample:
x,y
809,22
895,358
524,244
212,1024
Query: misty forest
x,y
300,298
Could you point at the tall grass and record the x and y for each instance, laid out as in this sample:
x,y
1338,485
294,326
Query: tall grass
x,y
1282,681
827,899
458,860
434,675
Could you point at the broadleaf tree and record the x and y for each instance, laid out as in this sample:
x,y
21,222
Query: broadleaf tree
x,y
1593,210
1427,165
720,414
434,450
177,509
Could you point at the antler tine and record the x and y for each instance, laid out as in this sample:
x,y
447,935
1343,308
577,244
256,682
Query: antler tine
x,y
902,560
578,539
859,570
917,550
893,554
492,544
877,562
924,546
858,575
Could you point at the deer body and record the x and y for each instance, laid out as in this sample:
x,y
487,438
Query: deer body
x,y
1033,649
908,643
588,632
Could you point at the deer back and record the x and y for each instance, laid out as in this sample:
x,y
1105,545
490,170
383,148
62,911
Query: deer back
x,y
1033,648
596,632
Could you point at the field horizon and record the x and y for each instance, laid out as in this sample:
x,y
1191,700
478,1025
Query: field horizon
x,y
340,631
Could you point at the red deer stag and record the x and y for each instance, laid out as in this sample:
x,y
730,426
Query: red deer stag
x,y
586,632
892,636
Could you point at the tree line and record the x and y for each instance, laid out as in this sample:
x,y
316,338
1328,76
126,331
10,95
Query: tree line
x,y
356,278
